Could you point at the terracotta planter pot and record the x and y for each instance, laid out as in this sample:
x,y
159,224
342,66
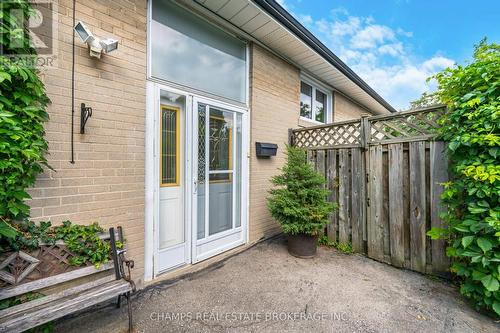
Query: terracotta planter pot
x,y
302,245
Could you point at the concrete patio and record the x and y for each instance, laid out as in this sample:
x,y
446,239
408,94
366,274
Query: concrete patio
x,y
266,290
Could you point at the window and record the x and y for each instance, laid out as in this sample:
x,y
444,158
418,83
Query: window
x,y
189,51
220,139
320,106
314,103
169,149
305,100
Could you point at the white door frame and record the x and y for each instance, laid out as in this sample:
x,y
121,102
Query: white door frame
x,y
243,228
152,174
185,176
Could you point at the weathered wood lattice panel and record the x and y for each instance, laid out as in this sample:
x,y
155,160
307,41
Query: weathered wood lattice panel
x,y
405,125
340,134
51,260
45,261
397,127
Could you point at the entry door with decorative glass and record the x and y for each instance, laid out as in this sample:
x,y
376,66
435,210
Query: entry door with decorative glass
x,y
220,166
172,229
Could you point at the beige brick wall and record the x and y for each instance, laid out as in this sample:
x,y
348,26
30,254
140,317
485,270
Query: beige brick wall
x,y
275,89
106,183
275,99
344,109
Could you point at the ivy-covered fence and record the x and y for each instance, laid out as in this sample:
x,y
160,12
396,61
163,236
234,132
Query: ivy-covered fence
x,y
472,129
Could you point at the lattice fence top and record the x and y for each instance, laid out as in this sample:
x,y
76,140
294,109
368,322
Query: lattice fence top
x,y
401,126
414,124
346,134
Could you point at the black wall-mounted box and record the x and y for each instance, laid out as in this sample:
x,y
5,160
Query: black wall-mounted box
x,y
264,149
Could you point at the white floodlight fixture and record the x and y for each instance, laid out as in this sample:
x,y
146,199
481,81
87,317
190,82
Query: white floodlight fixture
x,y
95,48
96,45
109,45
83,32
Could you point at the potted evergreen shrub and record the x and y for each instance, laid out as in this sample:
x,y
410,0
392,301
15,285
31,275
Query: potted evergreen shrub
x,y
299,203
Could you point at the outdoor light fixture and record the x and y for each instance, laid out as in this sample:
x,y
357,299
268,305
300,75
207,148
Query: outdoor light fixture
x,y
109,45
83,32
96,45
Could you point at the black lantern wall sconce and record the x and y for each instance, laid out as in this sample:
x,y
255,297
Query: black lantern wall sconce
x,y
85,114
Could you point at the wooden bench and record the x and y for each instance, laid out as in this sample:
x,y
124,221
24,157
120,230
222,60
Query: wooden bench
x,y
116,283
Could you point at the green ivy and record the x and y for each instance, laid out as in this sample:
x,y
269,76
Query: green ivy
x,y
81,240
298,202
471,127
23,104
84,241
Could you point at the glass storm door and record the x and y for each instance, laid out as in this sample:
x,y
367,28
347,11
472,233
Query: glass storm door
x,y
218,158
171,229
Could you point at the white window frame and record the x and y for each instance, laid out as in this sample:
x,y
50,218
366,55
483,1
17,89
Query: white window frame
x,y
149,60
324,89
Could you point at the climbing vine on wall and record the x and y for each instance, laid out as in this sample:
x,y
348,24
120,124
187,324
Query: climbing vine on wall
x,y
23,104
472,129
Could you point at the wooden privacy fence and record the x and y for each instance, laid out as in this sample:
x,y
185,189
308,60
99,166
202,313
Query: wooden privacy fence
x,y
386,173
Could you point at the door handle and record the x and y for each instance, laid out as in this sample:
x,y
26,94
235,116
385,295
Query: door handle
x,y
195,183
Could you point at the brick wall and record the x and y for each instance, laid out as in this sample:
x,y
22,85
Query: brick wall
x,y
275,91
106,183
344,109
275,99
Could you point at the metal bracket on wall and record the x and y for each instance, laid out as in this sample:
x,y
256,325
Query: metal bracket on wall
x,y
85,114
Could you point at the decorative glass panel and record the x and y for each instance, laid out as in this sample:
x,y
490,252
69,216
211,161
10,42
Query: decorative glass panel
x,y
220,138
305,100
320,106
171,226
201,170
189,51
201,142
169,145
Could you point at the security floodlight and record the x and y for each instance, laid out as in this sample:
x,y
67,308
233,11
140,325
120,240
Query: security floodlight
x,y
95,48
83,32
109,45
96,45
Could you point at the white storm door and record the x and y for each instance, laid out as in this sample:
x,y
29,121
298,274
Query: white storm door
x,y
173,242
219,158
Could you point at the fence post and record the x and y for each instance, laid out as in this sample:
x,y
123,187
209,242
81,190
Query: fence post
x,y
365,133
290,136
364,137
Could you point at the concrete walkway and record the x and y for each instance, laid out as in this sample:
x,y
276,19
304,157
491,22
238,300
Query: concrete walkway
x,y
265,289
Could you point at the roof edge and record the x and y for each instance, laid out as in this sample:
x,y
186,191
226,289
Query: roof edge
x,y
285,18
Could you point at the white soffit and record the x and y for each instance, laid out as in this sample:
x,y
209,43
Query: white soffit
x,y
257,23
